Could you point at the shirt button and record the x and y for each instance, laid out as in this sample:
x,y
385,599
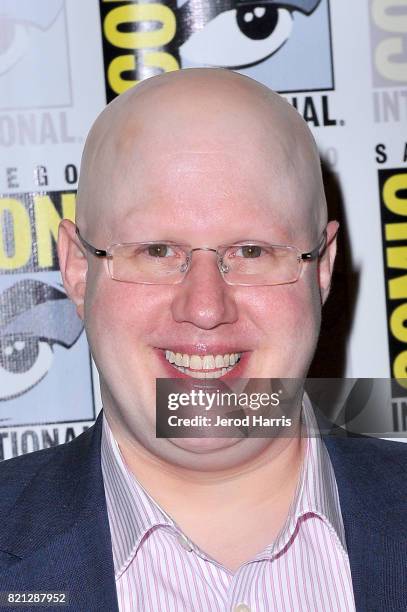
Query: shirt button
x,y
184,543
242,608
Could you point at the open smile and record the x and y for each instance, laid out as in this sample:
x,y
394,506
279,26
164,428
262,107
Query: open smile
x,y
202,366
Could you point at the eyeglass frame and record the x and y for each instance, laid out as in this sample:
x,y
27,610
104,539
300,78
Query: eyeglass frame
x,y
316,253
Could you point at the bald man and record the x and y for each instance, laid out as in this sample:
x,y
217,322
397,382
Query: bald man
x,y
202,250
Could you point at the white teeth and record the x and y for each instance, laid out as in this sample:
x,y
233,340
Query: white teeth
x,y
200,374
170,356
207,366
195,362
216,374
208,363
219,363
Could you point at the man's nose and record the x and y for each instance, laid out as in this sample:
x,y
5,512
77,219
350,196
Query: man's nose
x,y
203,298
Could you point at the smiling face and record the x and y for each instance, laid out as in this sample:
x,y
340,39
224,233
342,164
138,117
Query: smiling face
x,y
203,170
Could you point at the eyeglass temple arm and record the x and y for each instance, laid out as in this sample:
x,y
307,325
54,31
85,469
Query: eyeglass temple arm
x,y
315,252
89,247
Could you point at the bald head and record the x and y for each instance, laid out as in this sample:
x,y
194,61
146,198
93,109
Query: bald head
x,y
196,122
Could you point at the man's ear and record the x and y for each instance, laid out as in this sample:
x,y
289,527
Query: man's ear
x,y
327,259
73,264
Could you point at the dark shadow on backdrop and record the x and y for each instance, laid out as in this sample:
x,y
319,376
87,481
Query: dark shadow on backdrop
x,y
337,314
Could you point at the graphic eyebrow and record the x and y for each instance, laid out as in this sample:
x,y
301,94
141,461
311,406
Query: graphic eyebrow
x,y
304,6
23,296
194,15
37,309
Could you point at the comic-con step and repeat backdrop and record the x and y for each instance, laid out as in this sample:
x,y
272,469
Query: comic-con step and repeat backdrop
x,y
342,64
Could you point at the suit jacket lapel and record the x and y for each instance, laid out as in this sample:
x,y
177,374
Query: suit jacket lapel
x,y
371,485
69,547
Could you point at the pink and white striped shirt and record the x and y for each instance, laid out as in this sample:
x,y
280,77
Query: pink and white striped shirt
x,y
158,569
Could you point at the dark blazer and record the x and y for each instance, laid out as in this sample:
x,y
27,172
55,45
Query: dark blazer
x,y
54,530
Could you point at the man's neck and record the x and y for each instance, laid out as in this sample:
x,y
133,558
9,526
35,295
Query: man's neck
x,y
252,499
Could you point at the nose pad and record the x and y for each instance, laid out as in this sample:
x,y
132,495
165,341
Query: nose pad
x,y
224,268
185,265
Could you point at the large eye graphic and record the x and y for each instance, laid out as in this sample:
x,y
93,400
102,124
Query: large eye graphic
x,y
239,37
24,361
34,317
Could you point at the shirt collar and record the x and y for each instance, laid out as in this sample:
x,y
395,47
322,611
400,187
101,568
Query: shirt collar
x,y
317,491
132,512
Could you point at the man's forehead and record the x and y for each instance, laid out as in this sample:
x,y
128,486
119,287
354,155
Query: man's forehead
x,y
174,193
197,200
228,224
201,177
163,156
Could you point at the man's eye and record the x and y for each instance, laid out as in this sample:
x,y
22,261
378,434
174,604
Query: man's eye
x,y
160,250
249,251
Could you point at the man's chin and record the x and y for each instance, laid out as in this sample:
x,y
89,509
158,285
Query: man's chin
x,y
204,445
212,454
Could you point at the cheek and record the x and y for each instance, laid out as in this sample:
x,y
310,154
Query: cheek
x,y
286,316
284,303
116,313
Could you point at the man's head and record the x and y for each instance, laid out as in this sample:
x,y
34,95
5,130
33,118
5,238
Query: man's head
x,y
202,157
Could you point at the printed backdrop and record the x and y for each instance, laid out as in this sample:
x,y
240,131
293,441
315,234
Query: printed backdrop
x,y
342,64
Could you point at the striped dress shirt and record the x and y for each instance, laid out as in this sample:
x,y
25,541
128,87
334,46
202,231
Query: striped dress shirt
x,y
158,569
